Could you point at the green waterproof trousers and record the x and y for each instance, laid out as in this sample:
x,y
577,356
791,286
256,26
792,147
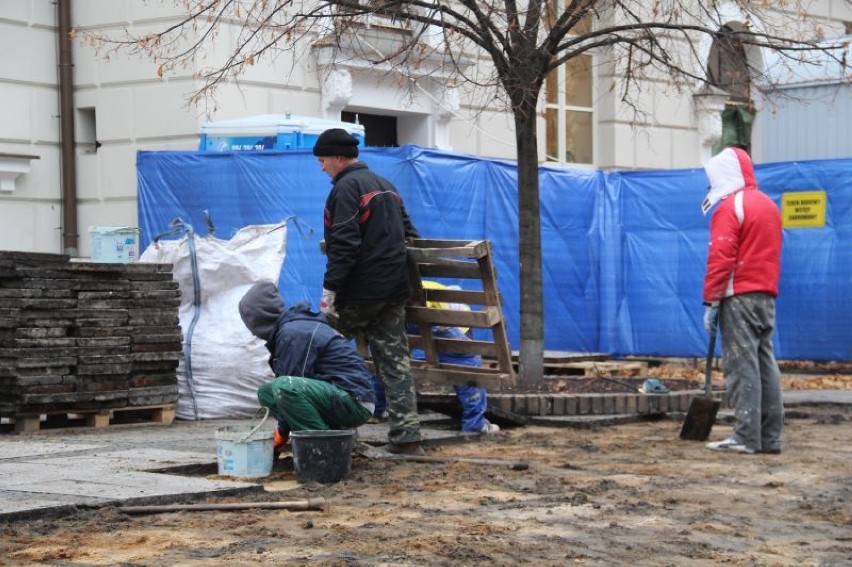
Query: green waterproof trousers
x,y
311,405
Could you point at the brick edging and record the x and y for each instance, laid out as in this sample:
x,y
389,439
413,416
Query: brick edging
x,y
598,404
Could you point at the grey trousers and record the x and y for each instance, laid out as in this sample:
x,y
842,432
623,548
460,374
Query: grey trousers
x,y
752,377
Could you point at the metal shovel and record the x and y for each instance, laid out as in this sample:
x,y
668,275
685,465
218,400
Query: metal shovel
x,y
702,410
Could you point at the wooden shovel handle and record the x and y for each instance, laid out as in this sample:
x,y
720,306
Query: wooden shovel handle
x,y
514,465
296,505
708,369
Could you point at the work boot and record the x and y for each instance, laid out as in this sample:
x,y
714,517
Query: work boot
x,y
413,448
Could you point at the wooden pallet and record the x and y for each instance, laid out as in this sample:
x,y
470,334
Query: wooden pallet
x,y
470,261
33,423
590,368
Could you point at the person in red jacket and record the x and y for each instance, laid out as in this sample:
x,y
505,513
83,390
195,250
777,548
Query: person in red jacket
x,y
740,287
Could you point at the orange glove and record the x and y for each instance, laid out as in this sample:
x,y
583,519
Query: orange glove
x,y
279,440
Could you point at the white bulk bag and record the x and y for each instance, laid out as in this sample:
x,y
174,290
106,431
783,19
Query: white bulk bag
x,y
226,362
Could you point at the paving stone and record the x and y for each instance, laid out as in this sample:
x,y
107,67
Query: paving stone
x,y
558,407
584,404
571,405
608,404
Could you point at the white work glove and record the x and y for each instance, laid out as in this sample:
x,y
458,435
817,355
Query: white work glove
x,y
327,303
711,317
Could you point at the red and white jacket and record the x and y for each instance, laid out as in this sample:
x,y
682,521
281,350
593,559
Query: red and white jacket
x,y
745,230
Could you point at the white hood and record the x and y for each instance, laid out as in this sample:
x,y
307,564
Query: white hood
x,y
728,171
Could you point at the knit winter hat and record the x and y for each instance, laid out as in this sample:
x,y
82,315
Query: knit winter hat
x,y
261,307
336,142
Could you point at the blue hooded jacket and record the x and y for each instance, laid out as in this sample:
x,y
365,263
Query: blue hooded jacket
x,y
306,345
302,343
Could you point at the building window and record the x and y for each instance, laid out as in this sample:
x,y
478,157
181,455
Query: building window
x,y
568,112
569,116
86,130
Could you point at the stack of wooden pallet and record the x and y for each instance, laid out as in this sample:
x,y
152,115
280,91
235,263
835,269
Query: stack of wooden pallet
x,y
85,337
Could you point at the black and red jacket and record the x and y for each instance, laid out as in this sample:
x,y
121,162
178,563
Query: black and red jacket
x,y
365,230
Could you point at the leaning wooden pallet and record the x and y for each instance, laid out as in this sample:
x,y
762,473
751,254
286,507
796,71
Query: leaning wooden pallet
x,y
471,261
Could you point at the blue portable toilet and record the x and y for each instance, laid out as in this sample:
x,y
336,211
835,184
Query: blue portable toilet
x,y
269,132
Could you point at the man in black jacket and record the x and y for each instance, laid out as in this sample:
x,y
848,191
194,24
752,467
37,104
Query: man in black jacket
x,y
322,382
366,278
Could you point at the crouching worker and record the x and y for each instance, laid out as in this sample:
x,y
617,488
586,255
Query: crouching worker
x,y
322,382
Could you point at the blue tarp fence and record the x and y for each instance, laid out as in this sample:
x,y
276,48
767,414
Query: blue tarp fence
x,y
623,252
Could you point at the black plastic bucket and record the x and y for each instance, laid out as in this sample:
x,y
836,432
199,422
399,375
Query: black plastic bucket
x,y
322,456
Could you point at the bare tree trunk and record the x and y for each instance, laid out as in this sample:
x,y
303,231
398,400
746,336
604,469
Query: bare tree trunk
x,y
531,360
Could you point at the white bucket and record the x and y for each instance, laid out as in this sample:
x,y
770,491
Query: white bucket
x,y
241,452
118,244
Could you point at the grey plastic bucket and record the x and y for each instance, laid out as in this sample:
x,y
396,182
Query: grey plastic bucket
x,y
243,453
322,456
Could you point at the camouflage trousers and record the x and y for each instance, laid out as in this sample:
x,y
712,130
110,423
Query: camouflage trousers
x,y
382,324
752,377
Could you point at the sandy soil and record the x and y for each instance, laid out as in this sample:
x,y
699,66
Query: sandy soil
x,y
622,495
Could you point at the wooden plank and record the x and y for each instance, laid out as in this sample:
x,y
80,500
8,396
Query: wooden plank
x,y
419,300
449,375
592,368
27,423
501,338
486,318
164,415
463,296
98,419
484,348
316,503
568,356
450,269
428,255
432,243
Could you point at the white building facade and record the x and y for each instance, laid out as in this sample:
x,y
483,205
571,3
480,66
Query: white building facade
x,y
121,106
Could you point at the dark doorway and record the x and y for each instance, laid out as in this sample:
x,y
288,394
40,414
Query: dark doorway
x,y
380,130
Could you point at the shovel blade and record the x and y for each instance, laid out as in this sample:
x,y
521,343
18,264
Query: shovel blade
x,y
699,419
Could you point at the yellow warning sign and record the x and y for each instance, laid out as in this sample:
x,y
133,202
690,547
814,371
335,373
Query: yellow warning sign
x,y
803,209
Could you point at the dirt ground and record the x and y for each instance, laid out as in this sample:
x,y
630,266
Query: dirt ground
x,y
631,494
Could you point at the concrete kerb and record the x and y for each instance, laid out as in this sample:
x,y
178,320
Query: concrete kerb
x,y
609,404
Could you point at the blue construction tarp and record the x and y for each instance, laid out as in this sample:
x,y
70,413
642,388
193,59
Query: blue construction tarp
x,y
623,252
